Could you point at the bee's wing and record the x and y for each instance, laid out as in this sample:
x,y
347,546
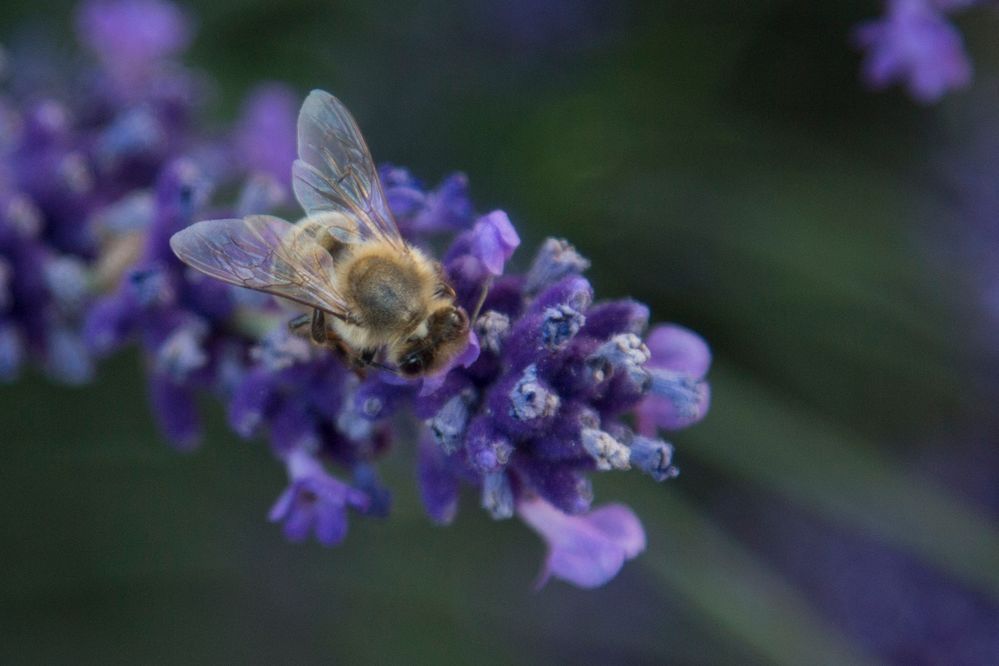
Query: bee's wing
x,y
263,253
339,226
335,172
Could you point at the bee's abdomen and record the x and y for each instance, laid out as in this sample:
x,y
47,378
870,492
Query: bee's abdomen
x,y
387,293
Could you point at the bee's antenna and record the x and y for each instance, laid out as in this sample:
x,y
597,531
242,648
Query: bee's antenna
x,y
482,299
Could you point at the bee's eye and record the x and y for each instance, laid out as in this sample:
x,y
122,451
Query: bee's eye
x,y
411,364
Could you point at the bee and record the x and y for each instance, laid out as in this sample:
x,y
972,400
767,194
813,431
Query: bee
x,y
369,290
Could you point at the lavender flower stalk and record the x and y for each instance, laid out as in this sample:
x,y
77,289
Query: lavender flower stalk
x,y
91,190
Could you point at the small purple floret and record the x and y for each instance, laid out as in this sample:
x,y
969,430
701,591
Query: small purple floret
x,y
314,502
586,550
915,45
679,395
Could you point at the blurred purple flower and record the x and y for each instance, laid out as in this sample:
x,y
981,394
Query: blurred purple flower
x,y
445,209
314,502
915,45
266,136
898,608
438,485
133,33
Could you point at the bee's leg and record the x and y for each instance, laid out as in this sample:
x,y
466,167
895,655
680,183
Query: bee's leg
x,y
333,341
482,299
316,323
318,327
444,290
297,325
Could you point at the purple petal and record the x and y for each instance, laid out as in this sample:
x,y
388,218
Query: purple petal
x,y
299,521
282,507
331,524
314,501
493,241
404,200
619,523
679,349
687,406
587,551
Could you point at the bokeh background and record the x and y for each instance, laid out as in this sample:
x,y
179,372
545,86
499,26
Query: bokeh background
x,y
719,161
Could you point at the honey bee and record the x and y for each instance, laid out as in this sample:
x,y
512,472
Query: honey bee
x,y
369,289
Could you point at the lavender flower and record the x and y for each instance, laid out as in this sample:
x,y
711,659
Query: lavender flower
x,y
915,45
92,188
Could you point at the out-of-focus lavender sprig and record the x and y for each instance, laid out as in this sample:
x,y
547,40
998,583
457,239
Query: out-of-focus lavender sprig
x,y
93,186
915,44
899,609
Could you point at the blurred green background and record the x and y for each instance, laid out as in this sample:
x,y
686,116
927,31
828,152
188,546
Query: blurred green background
x,y
719,161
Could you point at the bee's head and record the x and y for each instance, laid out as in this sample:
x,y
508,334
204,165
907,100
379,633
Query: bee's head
x,y
447,335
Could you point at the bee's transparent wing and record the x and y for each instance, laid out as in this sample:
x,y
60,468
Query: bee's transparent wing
x,y
263,253
339,226
335,172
